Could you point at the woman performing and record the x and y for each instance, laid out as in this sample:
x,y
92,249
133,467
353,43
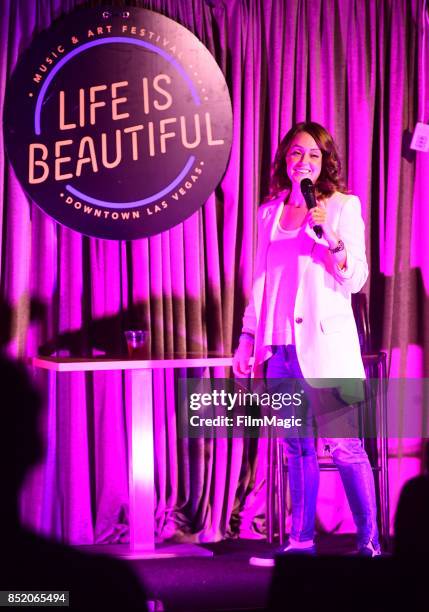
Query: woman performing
x,y
299,321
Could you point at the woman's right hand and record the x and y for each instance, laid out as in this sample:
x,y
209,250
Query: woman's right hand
x,y
241,359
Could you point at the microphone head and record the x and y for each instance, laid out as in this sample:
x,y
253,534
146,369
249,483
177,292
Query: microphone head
x,y
306,186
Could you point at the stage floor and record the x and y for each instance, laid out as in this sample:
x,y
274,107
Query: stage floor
x,y
223,582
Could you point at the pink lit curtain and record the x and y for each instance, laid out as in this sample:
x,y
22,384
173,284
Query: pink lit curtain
x,y
353,65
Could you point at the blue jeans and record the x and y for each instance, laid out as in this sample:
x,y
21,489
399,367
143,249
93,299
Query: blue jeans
x,y
348,455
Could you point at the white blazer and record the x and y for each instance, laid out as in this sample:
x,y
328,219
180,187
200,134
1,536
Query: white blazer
x,y
326,338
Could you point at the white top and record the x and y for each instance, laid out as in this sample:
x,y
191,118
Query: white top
x,y
287,257
326,340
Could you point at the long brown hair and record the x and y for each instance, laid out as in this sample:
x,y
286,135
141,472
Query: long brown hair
x,y
330,179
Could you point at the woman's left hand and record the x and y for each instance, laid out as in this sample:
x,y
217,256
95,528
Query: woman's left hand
x,y
318,216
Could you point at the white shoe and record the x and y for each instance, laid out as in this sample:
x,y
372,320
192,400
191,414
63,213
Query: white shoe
x,y
369,550
269,559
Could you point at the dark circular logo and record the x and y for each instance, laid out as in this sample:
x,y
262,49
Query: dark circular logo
x,y
118,122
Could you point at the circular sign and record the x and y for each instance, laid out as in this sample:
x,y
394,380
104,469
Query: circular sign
x,y
118,123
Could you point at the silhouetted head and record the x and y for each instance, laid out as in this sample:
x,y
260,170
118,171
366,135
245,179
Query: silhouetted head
x,y
21,444
412,519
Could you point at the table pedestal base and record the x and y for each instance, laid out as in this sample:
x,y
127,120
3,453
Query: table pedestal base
x,y
162,551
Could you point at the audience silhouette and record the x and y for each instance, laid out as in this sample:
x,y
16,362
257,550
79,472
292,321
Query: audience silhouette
x,y
31,562
412,517
398,580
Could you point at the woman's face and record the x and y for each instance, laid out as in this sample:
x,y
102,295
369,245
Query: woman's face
x,y
303,159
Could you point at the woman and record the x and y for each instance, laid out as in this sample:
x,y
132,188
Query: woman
x,y
299,321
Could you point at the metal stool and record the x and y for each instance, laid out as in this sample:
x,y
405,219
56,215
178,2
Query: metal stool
x,y
377,449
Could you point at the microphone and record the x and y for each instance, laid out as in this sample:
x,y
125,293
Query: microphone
x,y
307,190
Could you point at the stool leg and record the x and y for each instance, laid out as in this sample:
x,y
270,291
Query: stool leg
x,y
270,490
384,457
280,491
